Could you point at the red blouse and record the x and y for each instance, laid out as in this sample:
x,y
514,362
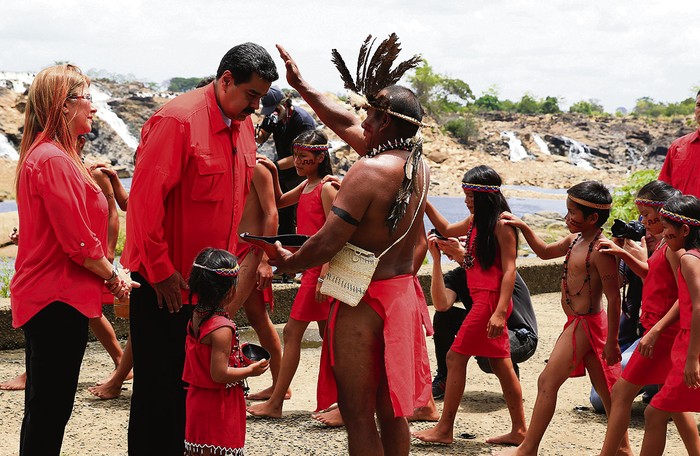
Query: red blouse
x,y
63,221
659,291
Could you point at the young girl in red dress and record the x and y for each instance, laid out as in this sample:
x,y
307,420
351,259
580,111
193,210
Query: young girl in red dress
x,y
651,361
680,392
489,260
214,367
314,198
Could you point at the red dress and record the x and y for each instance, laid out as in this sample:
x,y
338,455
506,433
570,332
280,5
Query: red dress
x,y
215,417
658,295
675,396
485,289
310,219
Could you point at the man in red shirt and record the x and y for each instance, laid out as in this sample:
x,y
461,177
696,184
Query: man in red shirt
x,y
193,171
681,168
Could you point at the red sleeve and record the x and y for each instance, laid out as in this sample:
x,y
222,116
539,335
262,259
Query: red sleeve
x,y
64,193
666,169
160,161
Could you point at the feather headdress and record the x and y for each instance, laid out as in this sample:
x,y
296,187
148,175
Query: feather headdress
x,y
373,74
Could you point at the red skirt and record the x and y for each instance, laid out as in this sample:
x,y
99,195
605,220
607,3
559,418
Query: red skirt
x,y
641,370
305,306
215,419
674,395
472,338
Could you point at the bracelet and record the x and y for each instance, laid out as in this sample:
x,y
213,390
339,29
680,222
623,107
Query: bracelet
x,y
113,276
320,280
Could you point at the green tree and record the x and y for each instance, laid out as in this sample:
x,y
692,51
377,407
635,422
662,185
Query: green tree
x,y
588,107
183,84
550,105
623,207
439,94
528,105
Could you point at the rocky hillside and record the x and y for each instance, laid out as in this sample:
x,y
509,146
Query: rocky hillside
x,y
604,148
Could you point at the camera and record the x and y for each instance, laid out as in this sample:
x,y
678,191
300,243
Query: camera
x,y
633,230
437,234
270,122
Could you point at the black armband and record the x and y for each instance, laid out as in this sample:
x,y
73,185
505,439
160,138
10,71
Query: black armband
x,y
344,215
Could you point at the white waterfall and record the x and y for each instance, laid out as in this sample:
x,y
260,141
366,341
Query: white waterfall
x,y
104,112
6,149
517,150
578,153
17,82
541,144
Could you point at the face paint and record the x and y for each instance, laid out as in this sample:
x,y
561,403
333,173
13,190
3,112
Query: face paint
x,y
307,162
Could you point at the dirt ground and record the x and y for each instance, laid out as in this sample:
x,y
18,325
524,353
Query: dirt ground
x,y
99,427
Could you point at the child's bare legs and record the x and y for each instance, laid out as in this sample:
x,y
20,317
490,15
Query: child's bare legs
x,y
293,334
454,389
16,384
513,394
688,430
655,422
112,388
102,329
622,396
561,363
259,319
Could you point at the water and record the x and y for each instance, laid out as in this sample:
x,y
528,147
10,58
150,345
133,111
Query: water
x,y
17,82
517,150
104,112
6,149
578,153
544,148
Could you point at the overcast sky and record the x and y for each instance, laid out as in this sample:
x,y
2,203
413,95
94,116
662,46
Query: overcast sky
x,y
613,51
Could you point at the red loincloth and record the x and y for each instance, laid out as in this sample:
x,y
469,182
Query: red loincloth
x,y
305,307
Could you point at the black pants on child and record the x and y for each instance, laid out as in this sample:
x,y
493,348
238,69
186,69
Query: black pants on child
x,y
157,418
55,344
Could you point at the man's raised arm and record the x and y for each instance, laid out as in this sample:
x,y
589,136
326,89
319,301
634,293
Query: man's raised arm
x,y
343,122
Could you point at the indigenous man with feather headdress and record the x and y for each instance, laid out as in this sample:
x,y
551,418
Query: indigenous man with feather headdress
x,y
377,349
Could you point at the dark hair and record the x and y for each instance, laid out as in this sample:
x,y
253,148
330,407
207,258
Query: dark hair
x,y
488,206
658,191
244,60
403,101
316,137
204,81
211,288
594,192
687,206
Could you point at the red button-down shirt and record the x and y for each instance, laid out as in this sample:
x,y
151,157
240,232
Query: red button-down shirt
x,y
192,176
63,221
681,168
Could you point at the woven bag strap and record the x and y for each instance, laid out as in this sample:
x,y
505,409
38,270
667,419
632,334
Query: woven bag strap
x,y
425,191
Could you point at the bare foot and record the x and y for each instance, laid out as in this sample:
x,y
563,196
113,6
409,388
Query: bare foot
x,y
427,413
330,417
434,435
109,379
512,452
265,410
266,394
512,438
108,390
16,384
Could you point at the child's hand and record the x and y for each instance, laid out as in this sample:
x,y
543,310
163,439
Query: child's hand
x,y
267,163
646,344
259,368
512,220
452,248
692,372
609,247
334,180
612,353
264,275
495,325
433,248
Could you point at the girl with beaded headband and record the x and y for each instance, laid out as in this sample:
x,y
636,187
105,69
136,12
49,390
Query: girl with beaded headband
x,y
214,366
585,342
489,260
681,389
650,361
314,197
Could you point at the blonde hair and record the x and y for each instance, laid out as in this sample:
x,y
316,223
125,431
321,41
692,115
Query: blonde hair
x,y
43,116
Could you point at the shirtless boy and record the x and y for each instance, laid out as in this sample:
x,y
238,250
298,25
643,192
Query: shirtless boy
x,y
255,276
585,343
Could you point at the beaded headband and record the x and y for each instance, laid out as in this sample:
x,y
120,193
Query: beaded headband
x,y
408,119
583,202
648,202
481,187
311,147
679,218
226,272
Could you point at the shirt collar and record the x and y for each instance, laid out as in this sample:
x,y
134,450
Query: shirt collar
x,y
696,135
217,119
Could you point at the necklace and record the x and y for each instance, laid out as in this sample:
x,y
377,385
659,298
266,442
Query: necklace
x,y
587,280
406,144
468,262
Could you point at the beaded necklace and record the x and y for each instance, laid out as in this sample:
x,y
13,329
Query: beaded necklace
x,y
468,262
587,280
406,144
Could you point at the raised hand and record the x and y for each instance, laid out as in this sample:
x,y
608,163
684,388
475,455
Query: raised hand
x,y
293,74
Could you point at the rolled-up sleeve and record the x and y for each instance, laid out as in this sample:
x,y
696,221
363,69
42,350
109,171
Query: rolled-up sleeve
x,y
64,193
160,161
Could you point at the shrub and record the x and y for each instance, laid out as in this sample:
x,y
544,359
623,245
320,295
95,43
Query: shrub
x,y
465,128
623,197
7,270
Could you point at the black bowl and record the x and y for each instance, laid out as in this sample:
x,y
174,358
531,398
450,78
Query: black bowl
x,y
253,353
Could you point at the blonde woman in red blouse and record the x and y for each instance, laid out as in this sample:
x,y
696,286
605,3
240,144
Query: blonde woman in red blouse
x,y
61,265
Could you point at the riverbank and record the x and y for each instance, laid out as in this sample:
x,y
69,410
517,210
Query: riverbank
x,y
100,427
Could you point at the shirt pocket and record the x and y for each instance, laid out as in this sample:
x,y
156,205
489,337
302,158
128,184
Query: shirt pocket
x,y
250,162
209,179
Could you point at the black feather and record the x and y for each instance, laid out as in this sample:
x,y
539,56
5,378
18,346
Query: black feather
x,y
343,69
362,60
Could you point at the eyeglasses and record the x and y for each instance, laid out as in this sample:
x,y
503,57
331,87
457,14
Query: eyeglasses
x,y
87,97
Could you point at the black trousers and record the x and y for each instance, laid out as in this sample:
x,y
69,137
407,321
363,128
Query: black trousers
x,y
446,325
157,417
55,344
